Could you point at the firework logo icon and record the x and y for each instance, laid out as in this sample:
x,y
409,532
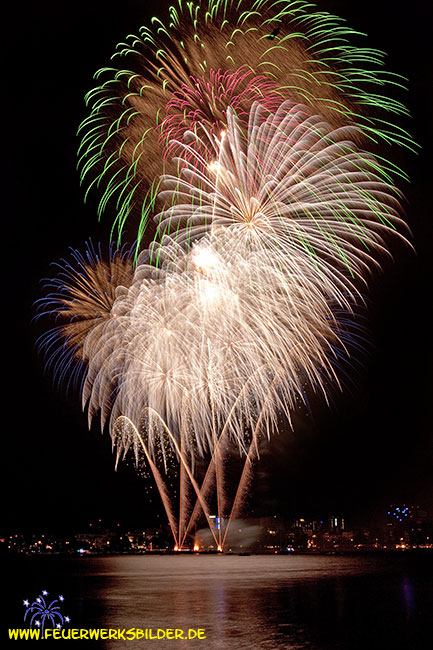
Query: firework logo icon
x,y
42,613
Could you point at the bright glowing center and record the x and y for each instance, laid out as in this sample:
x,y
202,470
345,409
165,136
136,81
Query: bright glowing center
x,y
205,259
214,166
209,292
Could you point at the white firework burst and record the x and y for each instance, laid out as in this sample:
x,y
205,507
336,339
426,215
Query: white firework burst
x,y
231,315
304,191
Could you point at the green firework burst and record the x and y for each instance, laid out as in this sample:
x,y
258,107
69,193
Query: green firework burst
x,y
306,54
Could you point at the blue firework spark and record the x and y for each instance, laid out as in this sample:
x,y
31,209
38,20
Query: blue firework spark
x,y
41,612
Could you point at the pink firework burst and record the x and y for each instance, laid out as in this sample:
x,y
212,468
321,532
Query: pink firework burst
x,y
203,103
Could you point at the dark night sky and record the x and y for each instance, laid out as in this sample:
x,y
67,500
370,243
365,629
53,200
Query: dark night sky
x,y
374,446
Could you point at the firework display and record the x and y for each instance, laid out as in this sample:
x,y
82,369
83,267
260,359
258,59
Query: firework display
x,y
245,136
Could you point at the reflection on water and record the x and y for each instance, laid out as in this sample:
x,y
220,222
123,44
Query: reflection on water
x,y
263,602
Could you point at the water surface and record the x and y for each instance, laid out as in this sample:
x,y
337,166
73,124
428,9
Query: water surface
x,y
371,602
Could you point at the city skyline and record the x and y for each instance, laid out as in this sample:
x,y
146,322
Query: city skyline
x,y
401,528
